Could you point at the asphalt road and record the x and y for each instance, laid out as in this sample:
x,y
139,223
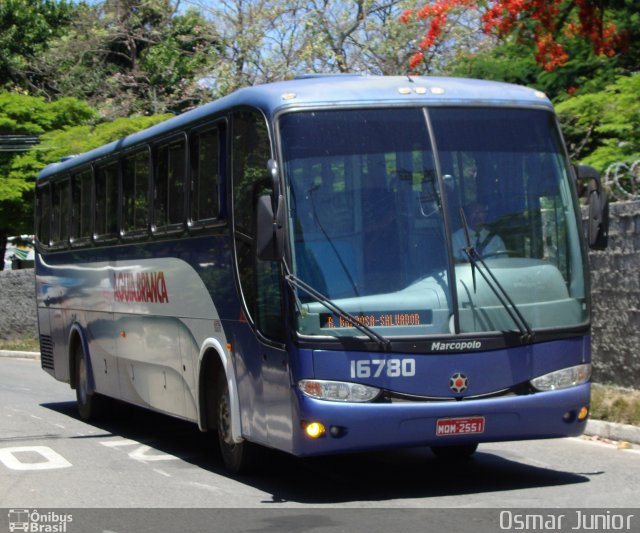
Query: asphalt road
x,y
137,459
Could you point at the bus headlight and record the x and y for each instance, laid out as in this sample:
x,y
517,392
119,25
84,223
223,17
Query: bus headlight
x,y
563,379
338,391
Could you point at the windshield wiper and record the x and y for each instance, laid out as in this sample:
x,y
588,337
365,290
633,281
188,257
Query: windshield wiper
x,y
527,334
297,283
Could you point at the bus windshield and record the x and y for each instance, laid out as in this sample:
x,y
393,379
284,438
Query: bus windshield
x,y
377,200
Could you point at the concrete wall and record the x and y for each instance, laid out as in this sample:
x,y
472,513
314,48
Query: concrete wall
x,y
615,295
17,305
615,289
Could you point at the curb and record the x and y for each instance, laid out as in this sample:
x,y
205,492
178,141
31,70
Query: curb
x,y
19,355
595,428
613,431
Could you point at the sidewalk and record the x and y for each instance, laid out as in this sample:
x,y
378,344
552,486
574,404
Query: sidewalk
x,y
595,428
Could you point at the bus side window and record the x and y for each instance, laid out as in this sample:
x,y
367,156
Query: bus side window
x,y
205,175
81,207
169,183
60,212
43,214
106,214
135,195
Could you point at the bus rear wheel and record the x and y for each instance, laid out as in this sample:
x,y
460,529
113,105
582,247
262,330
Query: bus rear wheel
x,y
236,456
90,404
457,452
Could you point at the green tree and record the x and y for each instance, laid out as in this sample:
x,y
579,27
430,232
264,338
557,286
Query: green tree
x,y
603,128
64,127
26,29
562,47
130,57
269,40
31,116
511,61
74,140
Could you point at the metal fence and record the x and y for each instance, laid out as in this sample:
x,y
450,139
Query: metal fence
x,y
622,181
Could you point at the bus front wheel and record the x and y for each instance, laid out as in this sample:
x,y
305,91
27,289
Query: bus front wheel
x,y
237,456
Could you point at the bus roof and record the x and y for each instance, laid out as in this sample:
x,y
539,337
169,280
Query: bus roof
x,y
329,91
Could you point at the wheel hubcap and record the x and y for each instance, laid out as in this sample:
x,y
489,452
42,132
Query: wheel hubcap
x,y
82,382
224,420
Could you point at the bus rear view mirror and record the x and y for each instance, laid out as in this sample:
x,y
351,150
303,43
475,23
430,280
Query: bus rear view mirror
x,y
598,224
269,230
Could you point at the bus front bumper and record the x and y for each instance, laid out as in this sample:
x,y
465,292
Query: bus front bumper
x,y
350,427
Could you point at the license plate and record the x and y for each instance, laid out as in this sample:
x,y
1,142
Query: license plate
x,y
459,426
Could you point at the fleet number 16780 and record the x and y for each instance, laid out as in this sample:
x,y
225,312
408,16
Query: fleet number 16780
x,y
391,368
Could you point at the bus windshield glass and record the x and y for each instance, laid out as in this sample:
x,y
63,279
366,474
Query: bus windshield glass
x,y
371,193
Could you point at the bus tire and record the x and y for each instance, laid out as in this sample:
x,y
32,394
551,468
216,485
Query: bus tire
x,y
236,456
90,404
457,452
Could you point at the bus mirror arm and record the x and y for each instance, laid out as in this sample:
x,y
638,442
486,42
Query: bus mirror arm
x,y
270,228
598,223
272,167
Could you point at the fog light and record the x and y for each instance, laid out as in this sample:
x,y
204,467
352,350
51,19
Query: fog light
x,y
314,429
583,414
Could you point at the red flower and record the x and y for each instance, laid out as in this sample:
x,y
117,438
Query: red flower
x,y
406,16
415,60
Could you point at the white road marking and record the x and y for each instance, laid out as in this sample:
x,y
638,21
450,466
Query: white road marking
x,y
121,442
141,453
52,459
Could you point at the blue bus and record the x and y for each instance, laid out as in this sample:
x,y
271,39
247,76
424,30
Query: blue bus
x,y
327,265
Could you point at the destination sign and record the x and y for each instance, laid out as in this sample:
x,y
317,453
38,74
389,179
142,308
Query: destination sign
x,y
374,319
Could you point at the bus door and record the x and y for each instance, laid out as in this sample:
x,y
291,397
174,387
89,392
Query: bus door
x,y
262,376
260,359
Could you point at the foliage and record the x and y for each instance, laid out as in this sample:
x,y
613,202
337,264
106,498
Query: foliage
x,y
28,115
508,62
604,127
21,345
512,62
357,36
615,404
132,57
65,127
144,57
75,140
269,40
544,23
26,30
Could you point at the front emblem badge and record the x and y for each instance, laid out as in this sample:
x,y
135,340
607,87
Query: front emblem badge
x,y
458,383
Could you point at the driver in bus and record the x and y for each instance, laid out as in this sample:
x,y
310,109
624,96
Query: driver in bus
x,y
485,241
